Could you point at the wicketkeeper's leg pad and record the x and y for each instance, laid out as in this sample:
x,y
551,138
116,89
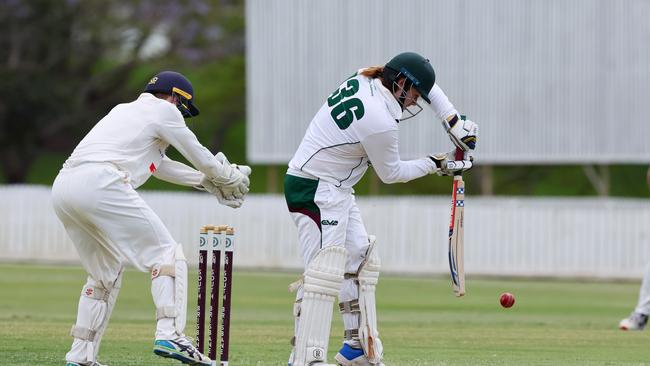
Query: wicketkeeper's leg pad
x,y
322,282
96,304
170,297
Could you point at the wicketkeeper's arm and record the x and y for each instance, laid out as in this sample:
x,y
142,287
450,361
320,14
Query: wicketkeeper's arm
x,y
178,173
230,180
179,136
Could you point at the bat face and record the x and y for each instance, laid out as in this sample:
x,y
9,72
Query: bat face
x,y
456,244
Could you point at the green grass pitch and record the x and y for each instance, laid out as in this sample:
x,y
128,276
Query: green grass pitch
x,y
421,322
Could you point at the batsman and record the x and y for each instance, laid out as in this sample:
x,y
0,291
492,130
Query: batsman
x,y
357,127
94,196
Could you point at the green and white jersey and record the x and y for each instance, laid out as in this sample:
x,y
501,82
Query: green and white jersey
x,y
355,128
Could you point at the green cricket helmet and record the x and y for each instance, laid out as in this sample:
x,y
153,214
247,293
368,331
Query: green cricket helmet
x,y
415,68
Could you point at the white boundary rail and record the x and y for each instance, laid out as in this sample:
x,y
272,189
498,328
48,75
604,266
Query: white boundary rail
x,y
606,238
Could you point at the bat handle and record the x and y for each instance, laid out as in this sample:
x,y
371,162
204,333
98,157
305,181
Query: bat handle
x,y
459,155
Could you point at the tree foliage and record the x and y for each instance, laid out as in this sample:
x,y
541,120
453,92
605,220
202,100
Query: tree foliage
x,y
64,64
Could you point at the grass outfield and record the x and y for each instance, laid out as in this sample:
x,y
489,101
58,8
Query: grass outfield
x,y
421,323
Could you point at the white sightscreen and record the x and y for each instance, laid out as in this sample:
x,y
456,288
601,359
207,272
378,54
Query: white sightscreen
x,y
551,81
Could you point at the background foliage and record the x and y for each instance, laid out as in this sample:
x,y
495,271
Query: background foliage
x,y
65,63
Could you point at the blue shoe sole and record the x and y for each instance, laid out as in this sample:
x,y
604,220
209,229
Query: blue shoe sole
x,y
349,354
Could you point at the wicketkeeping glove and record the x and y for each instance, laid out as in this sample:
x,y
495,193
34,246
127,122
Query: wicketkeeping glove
x,y
207,185
225,196
235,186
245,169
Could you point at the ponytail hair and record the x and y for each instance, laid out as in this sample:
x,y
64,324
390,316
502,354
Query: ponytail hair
x,y
373,72
386,75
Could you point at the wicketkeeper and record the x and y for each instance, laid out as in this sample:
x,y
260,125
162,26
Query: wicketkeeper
x,y
109,223
357,127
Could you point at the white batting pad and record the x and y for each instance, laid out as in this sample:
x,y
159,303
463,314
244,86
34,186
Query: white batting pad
x,y
95,307
323,279
368,278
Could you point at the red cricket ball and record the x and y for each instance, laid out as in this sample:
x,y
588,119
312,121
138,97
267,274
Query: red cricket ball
x,y
507,299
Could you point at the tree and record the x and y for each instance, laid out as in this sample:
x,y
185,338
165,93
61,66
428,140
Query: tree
x,y
63,64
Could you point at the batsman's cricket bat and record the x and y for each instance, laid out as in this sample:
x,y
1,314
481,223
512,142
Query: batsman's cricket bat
x,y
456,228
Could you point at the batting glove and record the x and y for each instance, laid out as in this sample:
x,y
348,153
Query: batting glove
x,y
446,165
462,132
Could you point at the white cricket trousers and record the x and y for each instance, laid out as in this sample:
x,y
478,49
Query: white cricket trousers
x,y
109,224
327,215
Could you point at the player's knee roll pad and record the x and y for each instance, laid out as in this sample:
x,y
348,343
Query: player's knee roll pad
x,y
178,271
98,310
368,277
322,281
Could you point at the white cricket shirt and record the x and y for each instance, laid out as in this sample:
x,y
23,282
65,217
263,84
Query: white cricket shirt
x,y
134,136
355,128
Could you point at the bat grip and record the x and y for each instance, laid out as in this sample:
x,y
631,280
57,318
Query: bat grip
x,y
459,155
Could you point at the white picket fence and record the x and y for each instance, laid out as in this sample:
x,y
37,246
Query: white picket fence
x,y
606,238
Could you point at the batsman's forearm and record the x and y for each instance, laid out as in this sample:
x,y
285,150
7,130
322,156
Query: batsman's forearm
x,y
440,104
383,153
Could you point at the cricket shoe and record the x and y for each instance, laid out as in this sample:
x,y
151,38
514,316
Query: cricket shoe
x,y
636,321
181,349
68,363
350,356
